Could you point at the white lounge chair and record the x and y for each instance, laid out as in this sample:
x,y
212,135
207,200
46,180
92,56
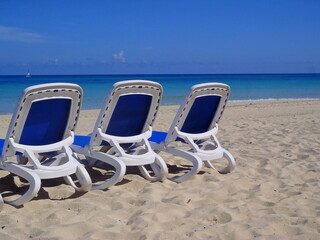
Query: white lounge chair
x,y
196,124
120,136
40,134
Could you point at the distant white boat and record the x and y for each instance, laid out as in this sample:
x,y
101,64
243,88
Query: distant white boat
x,y
28,74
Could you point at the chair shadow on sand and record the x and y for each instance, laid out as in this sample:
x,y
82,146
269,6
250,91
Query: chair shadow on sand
x,y
13,186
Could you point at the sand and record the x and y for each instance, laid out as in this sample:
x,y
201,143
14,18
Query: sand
x,y
274,192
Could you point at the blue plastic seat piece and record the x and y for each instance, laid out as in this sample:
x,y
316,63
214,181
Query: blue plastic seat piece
x,y
81,141
1,145
158,137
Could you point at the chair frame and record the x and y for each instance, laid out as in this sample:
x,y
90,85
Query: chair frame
x,y
117,156
198,143
30,163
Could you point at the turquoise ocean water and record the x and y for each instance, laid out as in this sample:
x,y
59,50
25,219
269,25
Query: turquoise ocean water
x,y
243,86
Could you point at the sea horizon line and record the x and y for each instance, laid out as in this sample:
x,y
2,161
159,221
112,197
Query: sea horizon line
x,y
157,74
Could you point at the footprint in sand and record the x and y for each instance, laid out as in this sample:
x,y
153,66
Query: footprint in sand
x,y
219,217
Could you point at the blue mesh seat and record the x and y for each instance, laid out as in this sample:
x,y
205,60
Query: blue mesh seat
x,y
130,115
158,137
201,114
46,122
1,145
81,141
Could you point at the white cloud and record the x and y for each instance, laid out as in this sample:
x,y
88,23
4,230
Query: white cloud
x,y
18,35
120,56
104,61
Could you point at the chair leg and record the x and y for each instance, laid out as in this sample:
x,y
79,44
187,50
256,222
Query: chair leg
x,y
120,169
22,159
32,178
91,161
231,163
208,164
83,178
196,163
159,168
1,203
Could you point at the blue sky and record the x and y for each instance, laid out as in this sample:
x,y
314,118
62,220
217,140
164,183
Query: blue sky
x,y
159,36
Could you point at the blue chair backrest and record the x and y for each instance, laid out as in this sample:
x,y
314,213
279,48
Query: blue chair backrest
x,y
129,115
46,122
201,114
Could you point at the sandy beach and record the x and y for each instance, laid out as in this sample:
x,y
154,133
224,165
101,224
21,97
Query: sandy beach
x,y
274,192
